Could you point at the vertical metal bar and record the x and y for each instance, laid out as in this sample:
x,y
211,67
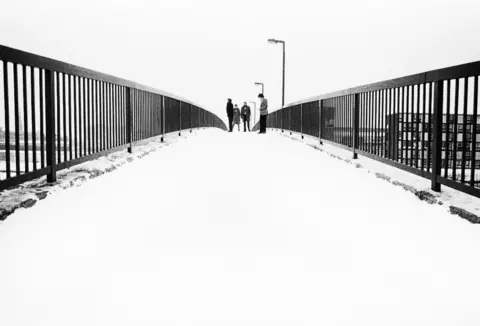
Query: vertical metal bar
x,y
320,121
403,124
119,112
417,131
464,147
409,128
17,119
118,103
455,131
398,134
429,141
97,116
391,125
70,151
109,116
85,119
34,126
25,117
134,103
372,122
129,115
80,118
474,132
384,122
424,124
7,117
356,110
42,137
437,134
180,114
90,116
375,120
75,120
104,116
114,116
163,118
50,124
64,107
447,136
301,120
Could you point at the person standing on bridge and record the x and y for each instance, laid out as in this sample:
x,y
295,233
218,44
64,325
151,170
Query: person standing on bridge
x,y
236,116
246,116
263,114
230,114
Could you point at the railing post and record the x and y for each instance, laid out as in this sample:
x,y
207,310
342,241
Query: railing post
x,y
50,125
129,119
163,118
290,120
320,121
191,118
180,129
437,134
301,119
281,117
356,111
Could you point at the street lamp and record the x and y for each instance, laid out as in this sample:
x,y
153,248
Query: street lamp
x,y
274,41
257,83
254,112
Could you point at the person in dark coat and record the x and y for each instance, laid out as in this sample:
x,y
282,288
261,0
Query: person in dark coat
x,y
236,117
246,116
230,114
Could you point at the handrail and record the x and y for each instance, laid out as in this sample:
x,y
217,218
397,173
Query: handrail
x,y
56,115
29,59
426,123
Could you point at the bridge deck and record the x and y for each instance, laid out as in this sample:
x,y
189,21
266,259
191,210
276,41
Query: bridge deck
x,y
238,229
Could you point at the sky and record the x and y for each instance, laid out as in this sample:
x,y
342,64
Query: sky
x,y
211,50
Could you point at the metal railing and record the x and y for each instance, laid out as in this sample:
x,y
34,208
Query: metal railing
x,y
426,124
54,115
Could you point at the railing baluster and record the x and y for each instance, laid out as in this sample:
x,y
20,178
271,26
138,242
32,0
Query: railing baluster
x,y
6,96
474,133
437,135
50,124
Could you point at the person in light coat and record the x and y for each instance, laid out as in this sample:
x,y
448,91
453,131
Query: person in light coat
x,y
263,114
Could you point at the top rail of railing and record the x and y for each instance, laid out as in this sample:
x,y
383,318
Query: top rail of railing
x,y
460,71
29,59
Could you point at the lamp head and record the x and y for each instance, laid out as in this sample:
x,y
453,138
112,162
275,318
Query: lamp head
x,y
272,40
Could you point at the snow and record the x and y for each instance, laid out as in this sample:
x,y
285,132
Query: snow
x,y
447,197
238,229
30,192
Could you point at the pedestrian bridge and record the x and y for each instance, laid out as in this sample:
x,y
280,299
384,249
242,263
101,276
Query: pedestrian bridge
x,y
236,228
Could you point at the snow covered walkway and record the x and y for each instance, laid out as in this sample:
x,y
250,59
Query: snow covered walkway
x,y
238,229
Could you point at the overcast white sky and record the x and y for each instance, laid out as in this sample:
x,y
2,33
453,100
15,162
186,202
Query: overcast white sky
x,y
210,50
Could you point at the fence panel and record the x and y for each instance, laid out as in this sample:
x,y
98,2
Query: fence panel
x,y
54,115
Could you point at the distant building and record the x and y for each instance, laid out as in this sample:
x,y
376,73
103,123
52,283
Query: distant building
x,y
402,137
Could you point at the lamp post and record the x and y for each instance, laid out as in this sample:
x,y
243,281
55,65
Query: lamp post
x,y
254,112
263,91
274,41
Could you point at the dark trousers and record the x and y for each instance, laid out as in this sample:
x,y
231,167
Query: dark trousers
x,y
246,123
263,123
230,123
